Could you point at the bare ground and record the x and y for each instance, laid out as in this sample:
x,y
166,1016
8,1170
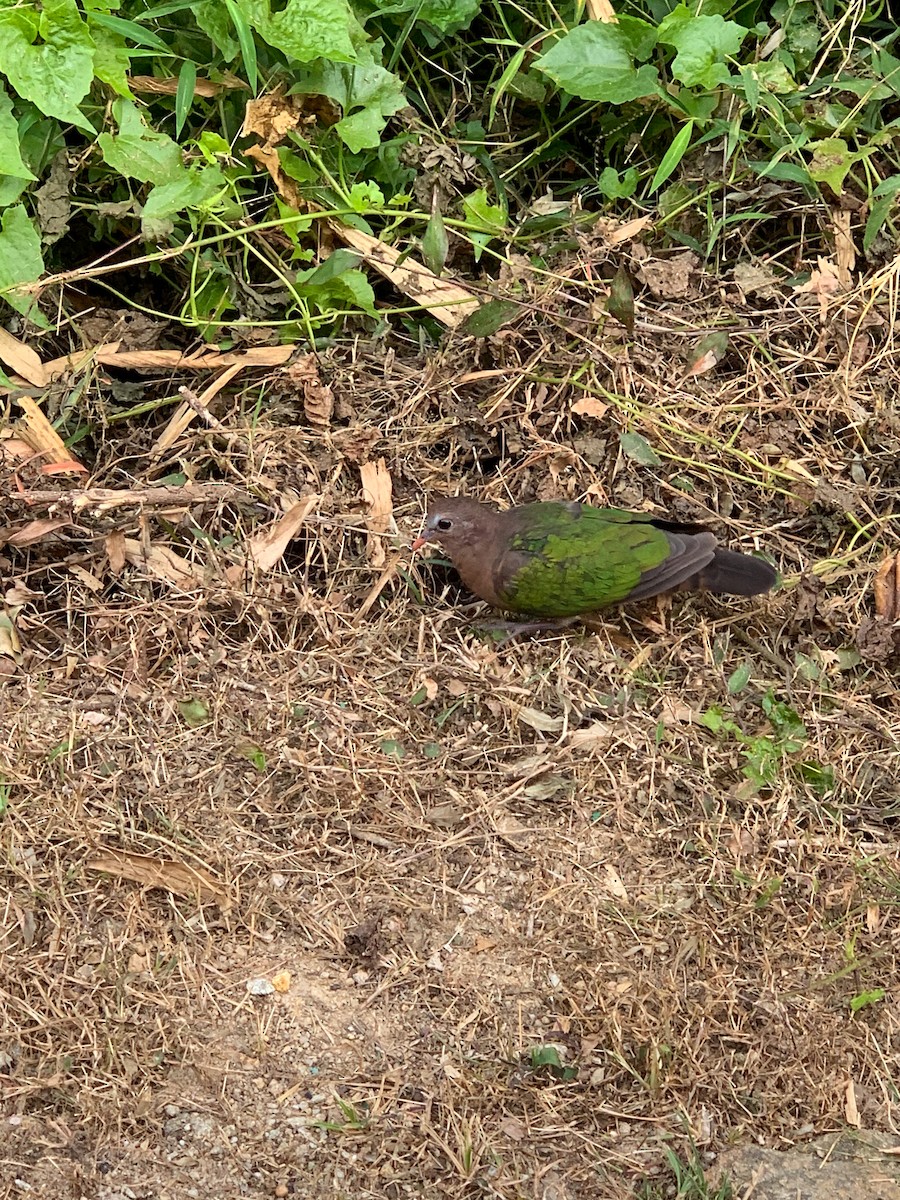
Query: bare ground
x,y
450,856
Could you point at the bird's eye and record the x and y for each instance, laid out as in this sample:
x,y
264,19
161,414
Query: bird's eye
x,y
443,524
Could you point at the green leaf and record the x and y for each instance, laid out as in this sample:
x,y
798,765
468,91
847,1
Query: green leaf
x,y
702,43
620,302
393,748
488,318
112,59
739,679
129,30
831,162
596,62
138,151
863,999
11,161
193,712
184,95
435,243
366,92
20,257
305,29
191,189
638,449
245,41
673,155
484,221
447,16
615,186
55,74
337,283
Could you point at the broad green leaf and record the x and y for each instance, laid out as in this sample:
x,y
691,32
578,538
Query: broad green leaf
x,y
56,73
131,31
20,257
212,17
489,317
596,62
192,189
739,678
620,302
306,29
702,44
831,162
447,16
885,199
112,59
774,77
194,712
638,449
485,221
366,92
337,283
615,186
11,161
138,151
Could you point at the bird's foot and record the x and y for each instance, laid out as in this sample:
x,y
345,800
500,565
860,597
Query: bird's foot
x,y
517,629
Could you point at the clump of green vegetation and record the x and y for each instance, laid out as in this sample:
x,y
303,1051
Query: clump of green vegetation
x,y
434,126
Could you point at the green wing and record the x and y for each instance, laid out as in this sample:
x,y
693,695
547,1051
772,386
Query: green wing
x,y
572,559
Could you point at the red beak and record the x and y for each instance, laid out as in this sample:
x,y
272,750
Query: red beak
x,y
419,543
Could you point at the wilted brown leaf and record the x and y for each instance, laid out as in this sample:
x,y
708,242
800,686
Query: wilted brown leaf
x,y
886,586
377,494
191,882
267,545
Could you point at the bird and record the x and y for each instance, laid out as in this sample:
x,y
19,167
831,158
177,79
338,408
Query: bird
x,y
558,559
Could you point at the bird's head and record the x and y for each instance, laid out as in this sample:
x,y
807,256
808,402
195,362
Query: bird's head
x,y
453,521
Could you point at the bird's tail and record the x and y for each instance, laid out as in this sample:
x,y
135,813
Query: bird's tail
x,y
735,574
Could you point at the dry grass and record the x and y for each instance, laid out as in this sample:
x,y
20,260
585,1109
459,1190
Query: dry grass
x,y
546,847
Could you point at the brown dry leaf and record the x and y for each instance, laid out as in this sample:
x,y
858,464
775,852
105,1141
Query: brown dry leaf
x,y
287,189
14,449
114,544
614,233
272,117
602,10
208,358
670,278
41,436
844,249
22,359
538,720
851,1111
377,494
886,586
193,883
266,547
10,646
150,85
587,406
593,735
164,564
614,884
674,711
318,398
33,531
447,302
823,282
87,578
186,413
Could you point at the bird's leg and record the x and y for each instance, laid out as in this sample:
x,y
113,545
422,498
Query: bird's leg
x,y
517,629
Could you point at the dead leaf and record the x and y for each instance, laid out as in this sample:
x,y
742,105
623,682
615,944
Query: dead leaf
x,y
110,354
602,10
447,302
90,581
708,353
538,720
150,85
22,359
674,711
844,248
193,883
377,494
33,531
267,157
114,544
10,646
587,406
886,587
36,429
267,546
164,564
851,1111
281,981
318,398
593,735
614,233
614,884
271,117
